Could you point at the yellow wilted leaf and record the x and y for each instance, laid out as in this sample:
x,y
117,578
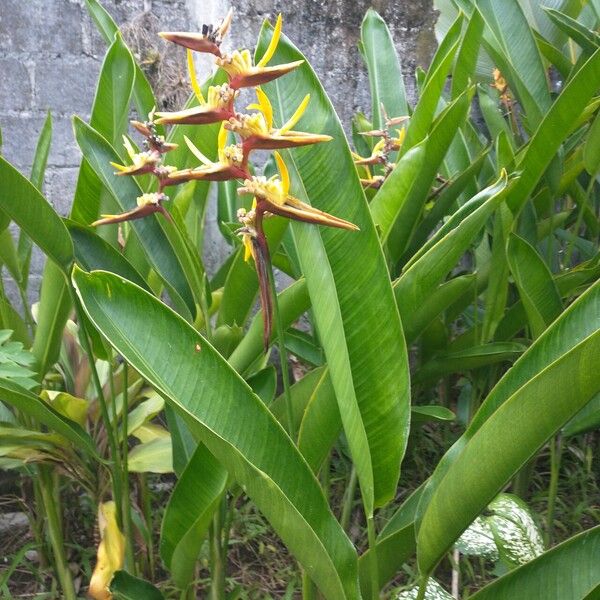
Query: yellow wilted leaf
x,y
111,552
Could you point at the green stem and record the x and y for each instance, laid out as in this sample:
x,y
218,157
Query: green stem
x,y
217,588
580,209
26,310
283,357
422,587
349,499
112,439
373,564
555,460
55,535
127,523
146,505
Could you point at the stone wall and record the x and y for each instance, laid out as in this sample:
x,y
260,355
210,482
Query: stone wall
x,y
50,56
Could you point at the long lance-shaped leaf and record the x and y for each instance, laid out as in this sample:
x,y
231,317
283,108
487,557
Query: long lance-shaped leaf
x,y
150,232
347,299
551,382
24,204
570,570
534,281
142,91
473,357
554,129
95,254
427,105
234,424
109,118
109,114
188,514
466,59
424,275
440,139
512,45
38,170
383,65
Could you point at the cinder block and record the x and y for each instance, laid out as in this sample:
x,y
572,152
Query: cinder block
x,y
60,187
41,26
15,90
19,139
66,86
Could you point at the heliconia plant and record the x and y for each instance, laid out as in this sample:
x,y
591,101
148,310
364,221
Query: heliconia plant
x,y
444,304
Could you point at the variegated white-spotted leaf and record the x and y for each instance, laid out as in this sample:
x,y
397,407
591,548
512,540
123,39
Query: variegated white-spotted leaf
x,y
517,536
478,540
434,592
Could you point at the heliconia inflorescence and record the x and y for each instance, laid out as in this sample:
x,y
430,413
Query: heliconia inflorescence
x,y
256,131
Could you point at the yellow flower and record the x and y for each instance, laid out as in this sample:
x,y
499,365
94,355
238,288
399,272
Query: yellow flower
x,y
146,205
209,40
248,231
273,196
111,552
242,73
142,162
230,165
218,105
258,132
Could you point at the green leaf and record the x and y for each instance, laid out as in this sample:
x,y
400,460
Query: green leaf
x,y
31,405
38,171
94,253
436,303
155,456
423,275
188,514
383,65
558,122
534,281
149,230
143,95
585,38
440,139
511,44
53,312
321,422
551,382
127,587
396,190
591,150
587,419
109,118
214,400
423,413
570,570
466,59
473,357
42,150
422,117
372,390
24,204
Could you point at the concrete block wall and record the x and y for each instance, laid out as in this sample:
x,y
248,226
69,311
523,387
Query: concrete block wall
x,y
50,57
